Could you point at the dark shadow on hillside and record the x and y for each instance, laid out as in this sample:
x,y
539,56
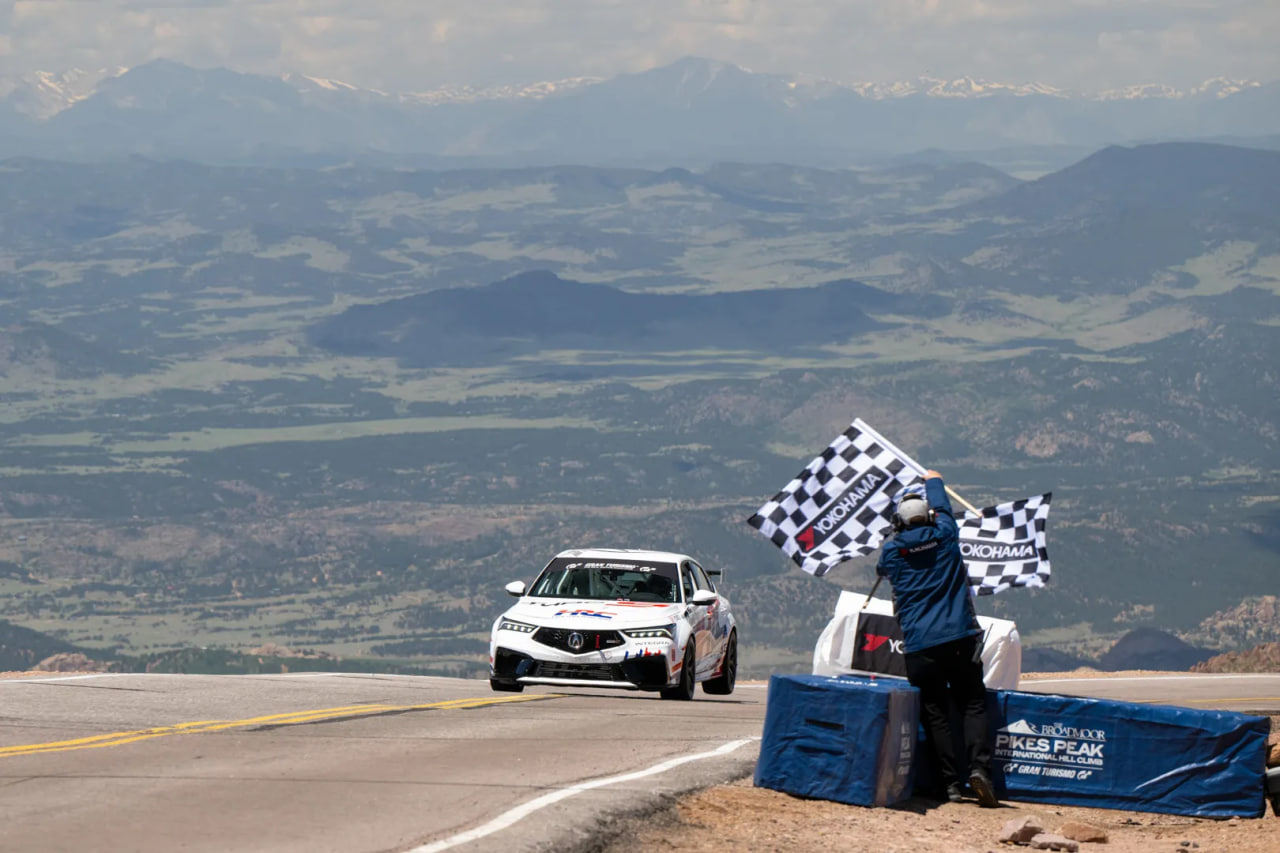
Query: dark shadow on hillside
x,y
539,311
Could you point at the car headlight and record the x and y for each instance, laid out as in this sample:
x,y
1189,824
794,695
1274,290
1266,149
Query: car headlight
x,y
662,632
519,627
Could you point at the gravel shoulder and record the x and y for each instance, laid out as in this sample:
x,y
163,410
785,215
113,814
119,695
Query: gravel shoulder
x,y
740,817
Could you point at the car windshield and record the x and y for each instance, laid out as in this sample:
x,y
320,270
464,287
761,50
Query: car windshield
x,y
608,580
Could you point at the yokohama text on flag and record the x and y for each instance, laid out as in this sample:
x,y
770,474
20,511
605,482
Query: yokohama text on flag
x,y
1004,546
839,506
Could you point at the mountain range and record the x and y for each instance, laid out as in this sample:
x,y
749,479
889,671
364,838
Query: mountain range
x,y
42,94
342,407
1117,225
691,112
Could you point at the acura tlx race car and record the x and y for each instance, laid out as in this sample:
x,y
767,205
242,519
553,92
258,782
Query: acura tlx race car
x,y
601,617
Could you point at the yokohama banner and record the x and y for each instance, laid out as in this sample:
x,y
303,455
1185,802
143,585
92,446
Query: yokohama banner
x,y
877,645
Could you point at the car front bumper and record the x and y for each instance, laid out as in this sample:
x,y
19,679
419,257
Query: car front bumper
x,y
620,669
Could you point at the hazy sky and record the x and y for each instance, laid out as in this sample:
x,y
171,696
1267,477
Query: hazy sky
x,y
423,44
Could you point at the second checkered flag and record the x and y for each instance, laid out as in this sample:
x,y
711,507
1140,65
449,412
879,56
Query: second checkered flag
x,y
1004,545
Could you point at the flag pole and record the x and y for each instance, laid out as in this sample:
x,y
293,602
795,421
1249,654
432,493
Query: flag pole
x,y
916,466
964,503
874,587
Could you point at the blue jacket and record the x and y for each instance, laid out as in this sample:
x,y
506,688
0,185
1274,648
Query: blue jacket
x,y
930,583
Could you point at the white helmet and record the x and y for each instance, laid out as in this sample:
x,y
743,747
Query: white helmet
x,y
912,511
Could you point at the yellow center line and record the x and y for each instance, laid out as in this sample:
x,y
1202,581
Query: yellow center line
x,y
284,719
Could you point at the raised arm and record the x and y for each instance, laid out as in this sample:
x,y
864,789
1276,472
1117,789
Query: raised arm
x,y
936,492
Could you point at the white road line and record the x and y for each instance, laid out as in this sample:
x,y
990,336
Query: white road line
x,y
42,678
520,812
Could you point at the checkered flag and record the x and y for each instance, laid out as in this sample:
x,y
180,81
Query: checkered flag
x,y
1004,545
839,506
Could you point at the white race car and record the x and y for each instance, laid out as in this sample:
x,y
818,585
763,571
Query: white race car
x,y
601,617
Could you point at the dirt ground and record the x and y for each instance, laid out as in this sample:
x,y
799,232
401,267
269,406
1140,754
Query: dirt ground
x,y
741,817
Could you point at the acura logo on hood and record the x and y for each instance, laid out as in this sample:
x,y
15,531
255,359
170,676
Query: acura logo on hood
x,y
577,641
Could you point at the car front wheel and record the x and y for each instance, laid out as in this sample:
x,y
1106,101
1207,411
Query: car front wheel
x,y
722,684
684,690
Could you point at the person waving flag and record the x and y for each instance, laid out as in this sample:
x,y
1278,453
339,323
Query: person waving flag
x,y
841,506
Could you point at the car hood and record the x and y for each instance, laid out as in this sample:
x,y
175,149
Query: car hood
x,y
581,613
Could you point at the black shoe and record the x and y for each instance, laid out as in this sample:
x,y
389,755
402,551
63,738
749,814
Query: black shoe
x,y
982,788
955,792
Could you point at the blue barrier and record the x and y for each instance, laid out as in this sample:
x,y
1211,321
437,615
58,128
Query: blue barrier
x,y
1123,755
842,739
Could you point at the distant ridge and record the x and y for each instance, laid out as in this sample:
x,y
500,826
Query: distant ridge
x,y
1139,649
1149,648
47,349
1105,223
1262,658
688,112
44,93
22,648
539,311
1202,180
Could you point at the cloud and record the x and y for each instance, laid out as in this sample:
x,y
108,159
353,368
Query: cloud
x,y
421,44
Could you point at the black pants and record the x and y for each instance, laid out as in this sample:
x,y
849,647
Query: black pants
x,y
950,681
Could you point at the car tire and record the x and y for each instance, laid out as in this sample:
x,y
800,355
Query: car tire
x,y
684,690
722,684
506,686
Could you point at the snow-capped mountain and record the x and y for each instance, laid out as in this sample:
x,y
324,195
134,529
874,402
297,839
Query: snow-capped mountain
x,y
530,91
688,112
43,94
967,87
443,94
1221,87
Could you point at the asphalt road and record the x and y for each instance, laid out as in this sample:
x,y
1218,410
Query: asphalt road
x,y
344,763
356,764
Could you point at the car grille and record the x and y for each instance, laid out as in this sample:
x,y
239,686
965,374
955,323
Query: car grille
x,y
582,671
592,641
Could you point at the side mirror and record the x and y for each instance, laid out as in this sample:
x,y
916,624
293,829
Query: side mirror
x,y
515,589
703,596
